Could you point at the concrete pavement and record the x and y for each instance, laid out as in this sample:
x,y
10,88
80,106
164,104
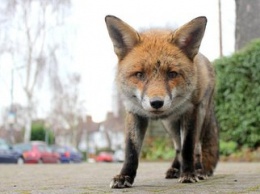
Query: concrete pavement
x,y
87,178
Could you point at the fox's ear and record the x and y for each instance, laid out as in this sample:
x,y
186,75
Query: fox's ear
x,y
188,37
123,36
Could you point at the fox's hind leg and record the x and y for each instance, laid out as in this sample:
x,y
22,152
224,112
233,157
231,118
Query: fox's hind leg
x,y
199,167
173,128
174,170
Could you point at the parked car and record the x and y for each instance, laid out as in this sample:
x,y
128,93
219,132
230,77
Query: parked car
x,y
8,154
119,155
68,154
37,152
104,157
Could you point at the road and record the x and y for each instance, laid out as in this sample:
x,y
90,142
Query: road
x,y
231,178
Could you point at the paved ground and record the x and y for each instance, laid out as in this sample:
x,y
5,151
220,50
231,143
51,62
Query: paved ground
x,y
86,178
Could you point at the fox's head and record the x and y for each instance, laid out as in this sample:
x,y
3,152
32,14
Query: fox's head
x,y
156,73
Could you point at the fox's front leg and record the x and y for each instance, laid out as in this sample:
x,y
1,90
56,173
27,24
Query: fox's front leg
x,y
188,138
135,132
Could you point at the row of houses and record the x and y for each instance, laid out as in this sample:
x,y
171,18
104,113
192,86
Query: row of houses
x,y
94,136
108,134
91,136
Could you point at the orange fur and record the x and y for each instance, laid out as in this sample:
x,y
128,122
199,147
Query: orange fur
x,y
162,75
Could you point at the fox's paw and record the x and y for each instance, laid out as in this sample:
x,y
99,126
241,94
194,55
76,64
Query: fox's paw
x,y
172,173
188,178
201,175
121,181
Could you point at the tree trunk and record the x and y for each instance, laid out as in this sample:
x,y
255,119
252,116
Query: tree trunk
x,y
74,136
247,22
28,125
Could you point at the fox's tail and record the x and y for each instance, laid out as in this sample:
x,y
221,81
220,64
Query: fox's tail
x,y
210,143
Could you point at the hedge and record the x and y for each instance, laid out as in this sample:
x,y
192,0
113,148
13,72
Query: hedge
x,y
238,96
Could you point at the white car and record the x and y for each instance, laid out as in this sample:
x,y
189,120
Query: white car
x,y
119,156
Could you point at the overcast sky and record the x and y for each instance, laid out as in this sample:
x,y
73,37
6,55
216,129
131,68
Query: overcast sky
x,y
93,55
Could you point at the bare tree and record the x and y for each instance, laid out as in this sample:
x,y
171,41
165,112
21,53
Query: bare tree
x,y
28,34
67,109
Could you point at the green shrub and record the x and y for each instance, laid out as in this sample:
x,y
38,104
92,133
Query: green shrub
x,y
157,148
238,96
39,133
227,148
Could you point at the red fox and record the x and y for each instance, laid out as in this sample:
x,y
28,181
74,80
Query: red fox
x,y
162,75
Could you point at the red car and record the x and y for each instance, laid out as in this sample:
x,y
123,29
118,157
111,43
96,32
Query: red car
x,y
37,152
104,157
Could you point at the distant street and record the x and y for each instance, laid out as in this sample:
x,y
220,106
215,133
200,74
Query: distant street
x,y
95,178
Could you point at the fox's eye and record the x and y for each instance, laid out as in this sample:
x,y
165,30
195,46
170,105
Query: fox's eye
x,y
172,74
140,75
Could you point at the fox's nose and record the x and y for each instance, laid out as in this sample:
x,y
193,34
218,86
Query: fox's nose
x,y
156,103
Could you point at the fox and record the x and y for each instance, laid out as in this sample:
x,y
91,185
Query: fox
x,y
162,75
